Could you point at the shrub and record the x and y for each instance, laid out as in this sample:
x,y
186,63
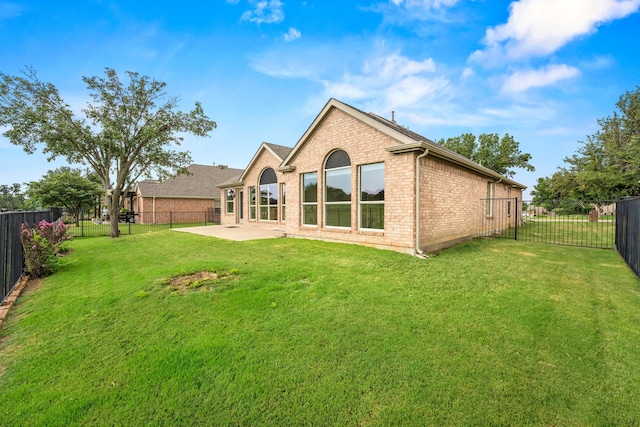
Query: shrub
x,y
41,244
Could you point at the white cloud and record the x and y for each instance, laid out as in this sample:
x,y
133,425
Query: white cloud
x,y
265,12
541,27
394,66
390,81
292,34
521,81
467,73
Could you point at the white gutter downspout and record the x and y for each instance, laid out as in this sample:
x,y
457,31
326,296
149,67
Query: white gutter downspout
x,y
154,209
418,252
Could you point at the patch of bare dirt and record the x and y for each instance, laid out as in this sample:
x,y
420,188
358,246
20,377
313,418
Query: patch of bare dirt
x,y
31,286
202,280
186,280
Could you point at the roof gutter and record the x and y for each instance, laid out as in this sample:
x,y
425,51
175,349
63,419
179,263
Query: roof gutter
x,y
436,150
230,184
418,251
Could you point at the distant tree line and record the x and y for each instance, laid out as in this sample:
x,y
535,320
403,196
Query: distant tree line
x,y
605,166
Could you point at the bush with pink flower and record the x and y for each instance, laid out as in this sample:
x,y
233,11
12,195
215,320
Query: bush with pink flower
x,y
41,244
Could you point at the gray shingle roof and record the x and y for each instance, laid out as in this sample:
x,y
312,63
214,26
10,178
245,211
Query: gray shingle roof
x,y
280,150
202,183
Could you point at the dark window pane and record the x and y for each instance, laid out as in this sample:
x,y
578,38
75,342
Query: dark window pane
x,y
372,182
310,187
268,177
310,214
372,216
337,159
338,215
338,184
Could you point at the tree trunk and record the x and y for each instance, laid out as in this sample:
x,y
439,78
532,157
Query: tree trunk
x,y
114,213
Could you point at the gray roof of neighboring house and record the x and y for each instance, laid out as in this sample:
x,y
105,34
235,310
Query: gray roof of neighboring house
x,y
202,183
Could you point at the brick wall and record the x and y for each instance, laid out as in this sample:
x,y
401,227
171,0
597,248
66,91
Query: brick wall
x,y
451,203
450,196
364,145
146,206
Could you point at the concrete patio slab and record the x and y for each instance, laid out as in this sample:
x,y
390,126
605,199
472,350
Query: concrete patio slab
x,y
234,232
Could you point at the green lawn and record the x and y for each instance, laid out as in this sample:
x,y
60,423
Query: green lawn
x,y
567,231
299,332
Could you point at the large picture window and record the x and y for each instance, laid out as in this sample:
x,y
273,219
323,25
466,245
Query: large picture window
x,y
337,186
268,195
372,196
252,202
310,198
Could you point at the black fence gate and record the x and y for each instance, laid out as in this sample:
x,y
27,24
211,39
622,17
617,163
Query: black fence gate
x,y
11,254
560,222
628,232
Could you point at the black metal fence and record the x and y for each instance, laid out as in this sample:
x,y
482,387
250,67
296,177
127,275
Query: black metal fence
x,y
135,223
628,232
11,253
560,222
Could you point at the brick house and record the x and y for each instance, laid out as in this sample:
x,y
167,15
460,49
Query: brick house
x,y
196,192
359,178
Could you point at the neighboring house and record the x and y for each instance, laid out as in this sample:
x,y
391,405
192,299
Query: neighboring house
x,y
359,178
533,210
196,192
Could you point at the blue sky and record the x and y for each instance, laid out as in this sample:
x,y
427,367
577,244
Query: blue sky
x,y
543,71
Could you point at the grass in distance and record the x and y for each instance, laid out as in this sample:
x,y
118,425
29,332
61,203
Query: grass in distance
x,y
489,332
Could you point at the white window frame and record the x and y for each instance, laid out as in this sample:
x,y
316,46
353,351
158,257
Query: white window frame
x,y
305,203
362,203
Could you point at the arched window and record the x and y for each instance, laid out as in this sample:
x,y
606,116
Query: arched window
x,y
268,195
337,190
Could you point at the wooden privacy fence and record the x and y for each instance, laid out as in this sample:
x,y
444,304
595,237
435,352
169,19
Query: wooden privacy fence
x,y
11,253
628,232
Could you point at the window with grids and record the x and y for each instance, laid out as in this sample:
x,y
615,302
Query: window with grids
x,y
268,195
337,190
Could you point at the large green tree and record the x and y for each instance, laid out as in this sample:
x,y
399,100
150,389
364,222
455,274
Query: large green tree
x,y
67,188
129,130
500,154
607,164
11,197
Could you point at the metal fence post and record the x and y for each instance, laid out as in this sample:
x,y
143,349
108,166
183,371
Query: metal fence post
x,y
515,204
